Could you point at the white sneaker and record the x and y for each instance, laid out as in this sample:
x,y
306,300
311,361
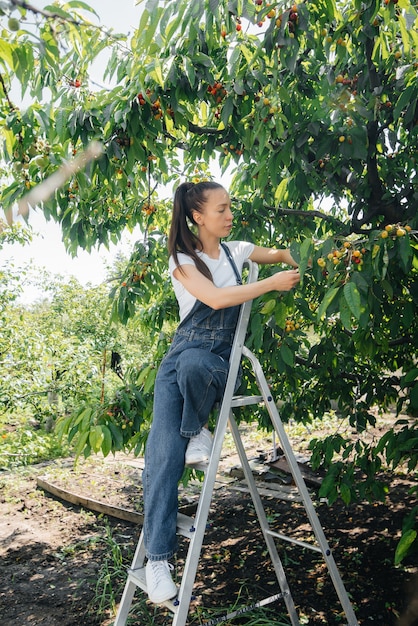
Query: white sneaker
x,y
160,585
199,448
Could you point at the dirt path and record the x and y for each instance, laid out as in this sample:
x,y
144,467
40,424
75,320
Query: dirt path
x,y
52,554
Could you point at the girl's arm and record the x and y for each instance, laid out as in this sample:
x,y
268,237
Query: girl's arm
x,y
270,255
222,297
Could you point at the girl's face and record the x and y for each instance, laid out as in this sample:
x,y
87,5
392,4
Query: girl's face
x,y
216,217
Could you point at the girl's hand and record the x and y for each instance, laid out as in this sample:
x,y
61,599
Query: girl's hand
x,y
286,280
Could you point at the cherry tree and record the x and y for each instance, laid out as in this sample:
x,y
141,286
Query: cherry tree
x,y
310,113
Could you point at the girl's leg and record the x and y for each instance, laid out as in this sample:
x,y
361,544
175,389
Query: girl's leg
x,y
164,464
186,388
201,377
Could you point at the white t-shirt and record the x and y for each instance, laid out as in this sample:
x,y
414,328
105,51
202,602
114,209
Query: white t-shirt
x,y
222,273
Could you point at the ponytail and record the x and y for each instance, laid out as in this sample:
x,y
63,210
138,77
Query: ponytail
x,y
189,197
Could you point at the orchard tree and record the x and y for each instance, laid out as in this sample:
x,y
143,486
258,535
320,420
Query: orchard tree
x,y
60,352
10,290
310,112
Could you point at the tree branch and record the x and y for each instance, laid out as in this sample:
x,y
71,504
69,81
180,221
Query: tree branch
x,y
198,130
47,14
6,93
394,380
300,212
375,204
374,79
315,366
50,15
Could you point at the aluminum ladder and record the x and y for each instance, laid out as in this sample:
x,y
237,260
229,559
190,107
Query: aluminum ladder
x,y
194,528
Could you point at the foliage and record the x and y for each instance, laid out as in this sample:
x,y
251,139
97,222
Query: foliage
x,y
21,444
10,280
59,356
311,112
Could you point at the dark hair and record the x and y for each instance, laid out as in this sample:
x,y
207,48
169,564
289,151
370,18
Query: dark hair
x,y
189,197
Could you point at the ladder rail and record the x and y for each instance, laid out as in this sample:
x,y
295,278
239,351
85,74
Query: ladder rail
x,y
205,498
301,485
262,518
196,539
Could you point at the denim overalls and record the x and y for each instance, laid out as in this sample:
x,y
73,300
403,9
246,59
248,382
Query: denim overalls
x,y
190,380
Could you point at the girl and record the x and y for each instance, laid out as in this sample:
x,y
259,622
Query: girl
x,y
206,276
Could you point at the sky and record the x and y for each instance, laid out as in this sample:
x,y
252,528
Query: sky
x,y
47,249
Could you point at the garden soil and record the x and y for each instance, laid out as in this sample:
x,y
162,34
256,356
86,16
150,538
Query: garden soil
x,y
63,565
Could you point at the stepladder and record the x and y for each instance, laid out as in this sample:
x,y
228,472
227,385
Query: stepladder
x,y
194,528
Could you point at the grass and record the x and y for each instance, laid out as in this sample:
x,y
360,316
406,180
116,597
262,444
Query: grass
x,y
242,611
111,579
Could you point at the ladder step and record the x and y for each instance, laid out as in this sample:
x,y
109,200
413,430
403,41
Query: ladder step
x,y
185,525
246,400
199,466
298,542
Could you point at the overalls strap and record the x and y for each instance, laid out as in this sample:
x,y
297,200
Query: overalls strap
x,y
232,262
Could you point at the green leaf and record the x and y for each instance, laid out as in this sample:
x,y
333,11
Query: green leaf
x,y
345,314
116,436
268,307
359,146
281,191
6,53
234,61
289,55
306,250
213,6
78,4
9,138
333,12
328,487
62,426
61,123
328,298
404,99
405,252
404,545
413,397
84,414
81,442
173,25
190,71
410,377
143,375
388,288
280,313
53,8
107,440
352,297
287,355
202,59
227,110
96,437
149,382
345,493
148,26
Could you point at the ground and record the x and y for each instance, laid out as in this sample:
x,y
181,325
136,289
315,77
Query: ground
x,y
62,564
